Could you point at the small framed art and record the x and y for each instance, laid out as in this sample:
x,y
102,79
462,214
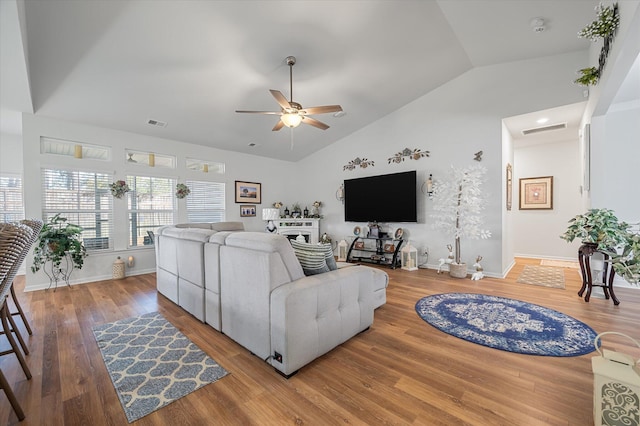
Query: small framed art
x,y
247,210
536,193
359,245
248,192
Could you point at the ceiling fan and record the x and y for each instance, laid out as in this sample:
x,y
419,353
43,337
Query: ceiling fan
x,y
292,113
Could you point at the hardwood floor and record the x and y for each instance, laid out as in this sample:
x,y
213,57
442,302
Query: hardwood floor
x,y
400,371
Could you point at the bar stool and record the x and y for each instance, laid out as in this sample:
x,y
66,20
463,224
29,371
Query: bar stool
x,y
14,239
36,226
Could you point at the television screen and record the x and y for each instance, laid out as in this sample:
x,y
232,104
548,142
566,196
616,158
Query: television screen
x,y
382,198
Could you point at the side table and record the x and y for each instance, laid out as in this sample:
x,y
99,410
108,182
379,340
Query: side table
x,y
584,257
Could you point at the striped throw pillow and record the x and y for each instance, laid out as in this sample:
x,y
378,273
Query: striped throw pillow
x,y
314,258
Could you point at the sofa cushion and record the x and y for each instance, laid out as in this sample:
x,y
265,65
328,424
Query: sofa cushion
x,y
314,258
270,243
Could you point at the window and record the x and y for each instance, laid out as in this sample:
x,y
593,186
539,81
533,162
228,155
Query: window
x,y
205,203
74,149
83,198
11,207
151,205
204,166
150,159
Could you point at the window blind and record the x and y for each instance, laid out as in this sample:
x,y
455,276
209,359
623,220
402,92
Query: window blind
x,y
206,202
151,204
84,199
11,205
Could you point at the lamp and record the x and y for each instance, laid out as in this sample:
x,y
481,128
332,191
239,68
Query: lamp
x,y
409,258
340,193
270,215
427,187
342,251
616,381
292,119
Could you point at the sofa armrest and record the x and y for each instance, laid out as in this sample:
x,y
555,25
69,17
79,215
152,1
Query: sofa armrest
x,y
314,314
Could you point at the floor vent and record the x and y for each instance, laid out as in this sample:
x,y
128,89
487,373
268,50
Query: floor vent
x,y
544,129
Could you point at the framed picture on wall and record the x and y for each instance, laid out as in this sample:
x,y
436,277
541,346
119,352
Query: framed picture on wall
x,y
536,193
248,192
247,210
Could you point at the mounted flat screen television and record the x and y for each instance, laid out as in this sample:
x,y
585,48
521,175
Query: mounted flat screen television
x,y
382,198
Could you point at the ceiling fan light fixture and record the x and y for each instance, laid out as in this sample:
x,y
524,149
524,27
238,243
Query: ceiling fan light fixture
x,y
291,119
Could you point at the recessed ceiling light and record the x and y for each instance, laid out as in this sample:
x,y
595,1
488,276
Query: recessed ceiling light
x,y
542,120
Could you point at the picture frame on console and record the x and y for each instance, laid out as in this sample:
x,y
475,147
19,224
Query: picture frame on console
x,y
536,193
248,192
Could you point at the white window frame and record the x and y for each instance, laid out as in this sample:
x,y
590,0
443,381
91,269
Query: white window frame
x,y
94,237
150,209
206,202
11,197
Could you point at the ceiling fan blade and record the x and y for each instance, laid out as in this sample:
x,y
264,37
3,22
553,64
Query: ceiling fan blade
x,y
260,112
321,109
279,125
282,101
315,123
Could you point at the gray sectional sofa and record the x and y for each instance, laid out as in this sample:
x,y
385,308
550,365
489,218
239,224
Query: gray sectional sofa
x,y
251,287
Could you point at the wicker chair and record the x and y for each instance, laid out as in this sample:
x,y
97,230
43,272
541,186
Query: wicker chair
x,y
14,240
36,226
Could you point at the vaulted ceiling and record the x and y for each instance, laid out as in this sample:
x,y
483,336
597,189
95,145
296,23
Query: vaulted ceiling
x,y
192,63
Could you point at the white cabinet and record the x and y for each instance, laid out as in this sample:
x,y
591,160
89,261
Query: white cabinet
x,y
309,228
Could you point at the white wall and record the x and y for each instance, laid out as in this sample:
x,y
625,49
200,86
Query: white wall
x,y
454,121
274,175
536,232
11,153
615,161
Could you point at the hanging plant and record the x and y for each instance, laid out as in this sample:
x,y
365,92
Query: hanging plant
x,y
182,190
119,188
606,24
589,76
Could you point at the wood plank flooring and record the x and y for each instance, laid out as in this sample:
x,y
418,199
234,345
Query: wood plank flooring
x,y
401,371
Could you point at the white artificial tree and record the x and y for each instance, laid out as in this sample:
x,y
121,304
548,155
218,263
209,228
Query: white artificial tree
x,y
458,202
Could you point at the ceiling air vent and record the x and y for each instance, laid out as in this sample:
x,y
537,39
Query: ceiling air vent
x,y
157,123
544,129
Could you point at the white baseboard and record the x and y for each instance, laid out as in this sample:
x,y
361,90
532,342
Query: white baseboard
x,y
62,284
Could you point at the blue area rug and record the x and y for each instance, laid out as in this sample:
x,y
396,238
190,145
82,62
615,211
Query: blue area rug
x,y
152,364
507,324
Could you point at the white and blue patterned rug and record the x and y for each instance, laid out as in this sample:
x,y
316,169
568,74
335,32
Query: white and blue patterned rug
x,y
507,324
151,363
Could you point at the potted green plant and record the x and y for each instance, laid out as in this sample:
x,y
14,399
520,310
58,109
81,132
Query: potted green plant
x,y
626,262
59,241
458,203
599,227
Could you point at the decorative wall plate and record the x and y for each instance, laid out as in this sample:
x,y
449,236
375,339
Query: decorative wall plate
x,y
356,231
399,233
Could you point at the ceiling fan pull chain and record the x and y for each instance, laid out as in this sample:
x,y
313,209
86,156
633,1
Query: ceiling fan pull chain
x,y
291,131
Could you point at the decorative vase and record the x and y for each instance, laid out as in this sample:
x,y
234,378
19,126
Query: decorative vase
x,y
458,270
